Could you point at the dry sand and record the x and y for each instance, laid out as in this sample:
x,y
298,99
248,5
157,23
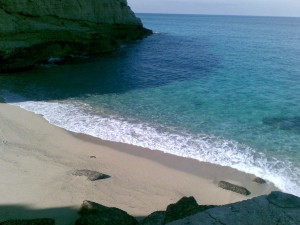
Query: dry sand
x,y
37,160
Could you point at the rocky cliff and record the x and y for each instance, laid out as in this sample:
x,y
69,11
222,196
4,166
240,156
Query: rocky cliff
x,y
31,31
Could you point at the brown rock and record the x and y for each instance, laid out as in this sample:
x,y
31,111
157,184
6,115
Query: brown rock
x,y
235,188
259,180
91,175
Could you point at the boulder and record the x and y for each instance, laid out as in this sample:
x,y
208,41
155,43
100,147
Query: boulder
x,y
155,218
91,175
186,206
259,180
235,188
277,208
96,214
29,222
32,32
283,200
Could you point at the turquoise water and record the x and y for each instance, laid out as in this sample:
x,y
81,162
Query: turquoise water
x,y
219,89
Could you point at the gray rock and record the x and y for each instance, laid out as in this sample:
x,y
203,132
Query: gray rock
x,y
235,188
283,200
155,218
96,214
91,175
29,222
259,180
31,32
276,209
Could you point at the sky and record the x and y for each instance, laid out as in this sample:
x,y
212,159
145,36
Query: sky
x,y
219,7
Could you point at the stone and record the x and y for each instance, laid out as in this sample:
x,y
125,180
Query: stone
x,y
234,188
283,200
277,208
259,180
29,222
96,214
32,32
184,207
155,218
91,175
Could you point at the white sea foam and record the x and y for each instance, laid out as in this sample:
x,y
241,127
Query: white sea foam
x,y
78,117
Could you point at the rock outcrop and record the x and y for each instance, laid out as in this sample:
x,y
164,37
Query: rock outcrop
x,y
31,32
183,208
95,214
277,208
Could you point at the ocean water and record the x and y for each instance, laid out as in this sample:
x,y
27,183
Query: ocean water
x,y
220,89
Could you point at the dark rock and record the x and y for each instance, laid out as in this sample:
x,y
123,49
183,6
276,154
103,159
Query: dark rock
x,y
259,180
234,188
29,222
276,209
183,208
284,200
89,207
93,157
96,214
31,32
91,175
156,218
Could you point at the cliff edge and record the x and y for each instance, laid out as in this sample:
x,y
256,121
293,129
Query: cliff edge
x,y
31,32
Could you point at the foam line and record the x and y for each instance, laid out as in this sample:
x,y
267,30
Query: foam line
x,y
77,117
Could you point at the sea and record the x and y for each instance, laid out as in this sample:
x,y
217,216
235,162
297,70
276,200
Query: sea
x,y
219,89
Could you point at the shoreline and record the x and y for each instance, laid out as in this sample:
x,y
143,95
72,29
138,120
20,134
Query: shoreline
x,y
183,164
38,159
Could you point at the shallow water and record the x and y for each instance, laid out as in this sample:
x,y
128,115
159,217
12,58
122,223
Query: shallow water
x,y
219,89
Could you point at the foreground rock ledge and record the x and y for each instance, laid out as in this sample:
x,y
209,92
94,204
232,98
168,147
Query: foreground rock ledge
x,y
31,32
276,208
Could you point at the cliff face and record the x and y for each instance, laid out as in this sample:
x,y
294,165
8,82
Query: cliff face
x,y
31,31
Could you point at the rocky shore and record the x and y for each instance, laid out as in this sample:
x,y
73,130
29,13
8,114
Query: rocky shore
x,y
34,32
276,208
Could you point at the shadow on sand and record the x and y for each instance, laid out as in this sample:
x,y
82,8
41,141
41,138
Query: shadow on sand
x,y
61,215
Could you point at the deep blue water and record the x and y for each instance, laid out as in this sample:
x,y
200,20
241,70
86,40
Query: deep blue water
x,y
222,89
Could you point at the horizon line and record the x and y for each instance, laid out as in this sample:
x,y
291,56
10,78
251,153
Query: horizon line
x,y
203,14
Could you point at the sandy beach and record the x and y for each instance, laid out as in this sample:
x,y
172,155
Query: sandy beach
x,y
37,161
